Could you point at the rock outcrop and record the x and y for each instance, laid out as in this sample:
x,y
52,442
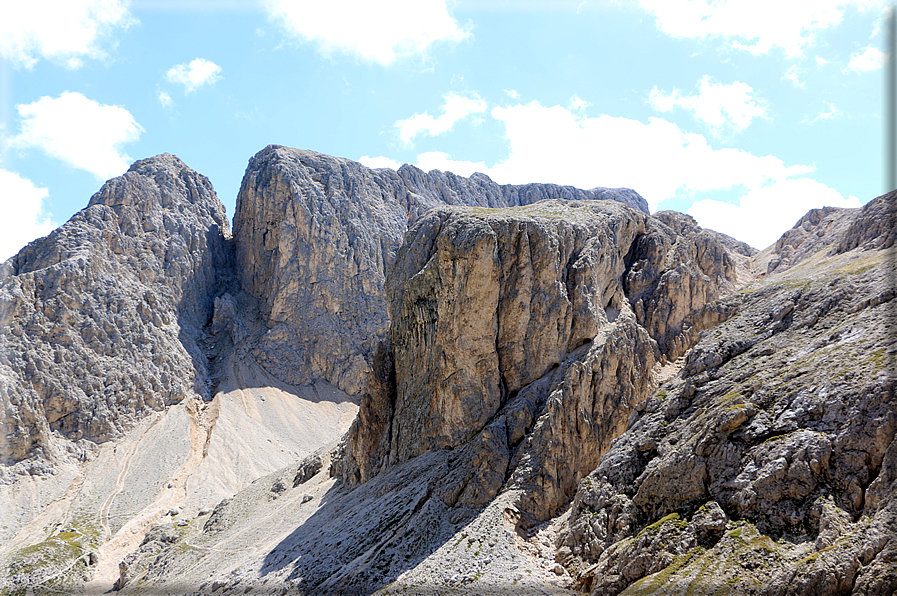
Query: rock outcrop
x,y
316,236
514,342
559,393
762,467
676,269
99,320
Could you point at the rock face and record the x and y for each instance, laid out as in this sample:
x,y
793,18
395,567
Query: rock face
x,y
99,320
315,237
558,393
677,268
784,419
514,343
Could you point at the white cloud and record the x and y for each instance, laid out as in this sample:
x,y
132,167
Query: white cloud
x,y
379,162
79,131
62,30
377,32
194,75
657,159
577,103
793,74
455,108
868,59
763,214
165,99
820,61
756,26
23,218
717,105
831,113
512,93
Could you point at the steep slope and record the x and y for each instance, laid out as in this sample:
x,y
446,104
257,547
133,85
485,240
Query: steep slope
x,y
136,301
514,358
126,391
767,465
315,237
555,393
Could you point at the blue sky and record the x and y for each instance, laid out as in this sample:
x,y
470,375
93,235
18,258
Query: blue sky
x,y
743,113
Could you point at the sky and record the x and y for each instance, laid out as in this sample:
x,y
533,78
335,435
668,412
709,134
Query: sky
x,y
744,114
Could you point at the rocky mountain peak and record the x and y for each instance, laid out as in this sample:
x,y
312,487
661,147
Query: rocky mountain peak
x,y
556,392
163,182
131,280
322,233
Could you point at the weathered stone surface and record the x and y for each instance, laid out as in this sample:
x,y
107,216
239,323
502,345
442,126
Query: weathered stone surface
x,y
99,320
316,236
835,231
516,374
785,417
514,344
674,270
493,304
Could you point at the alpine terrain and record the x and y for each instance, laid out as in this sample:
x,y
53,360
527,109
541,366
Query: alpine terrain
x,y
401,382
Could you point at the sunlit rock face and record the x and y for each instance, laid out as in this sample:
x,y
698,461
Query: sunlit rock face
x,y
514,343
99,320
555,392
316,236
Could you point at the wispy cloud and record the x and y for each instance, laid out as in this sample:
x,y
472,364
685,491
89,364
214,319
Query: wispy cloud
x,y
793,75
24,218
379,162
455,107
65,32
195,74
617,152
763,214
865,60
756,26
832,112
378,32
577,103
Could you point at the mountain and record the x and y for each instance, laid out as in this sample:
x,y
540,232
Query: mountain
x,y
407,382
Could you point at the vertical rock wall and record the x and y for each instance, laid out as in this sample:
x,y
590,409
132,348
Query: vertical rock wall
x,y
316,236
515,345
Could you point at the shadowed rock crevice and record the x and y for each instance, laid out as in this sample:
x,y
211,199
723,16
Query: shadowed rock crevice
x,y
783,419
529,304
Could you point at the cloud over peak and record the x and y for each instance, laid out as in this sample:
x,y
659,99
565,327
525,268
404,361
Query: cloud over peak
x,y
717,105
454,108
23,218
79,131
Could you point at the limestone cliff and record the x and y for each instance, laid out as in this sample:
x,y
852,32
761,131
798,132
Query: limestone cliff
x,y
514,342
99,320
559,394
316,236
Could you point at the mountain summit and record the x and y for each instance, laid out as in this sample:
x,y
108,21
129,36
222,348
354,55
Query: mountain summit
x,y
416,383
